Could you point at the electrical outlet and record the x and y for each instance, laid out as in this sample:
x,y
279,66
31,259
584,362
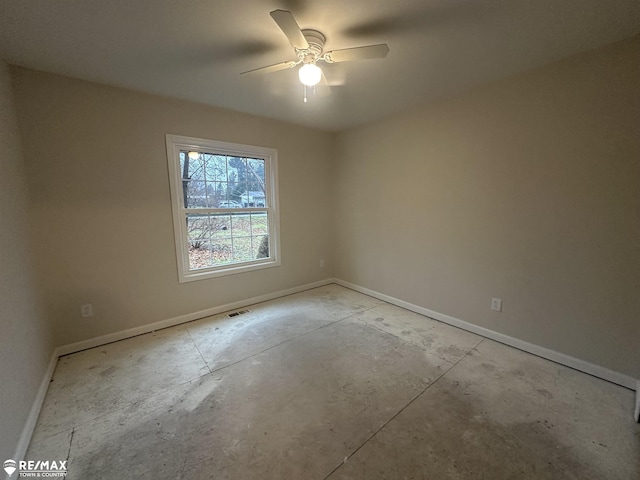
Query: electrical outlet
x,y
322,263
496,304
86,310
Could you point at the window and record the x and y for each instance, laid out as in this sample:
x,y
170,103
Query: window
x,y
225,207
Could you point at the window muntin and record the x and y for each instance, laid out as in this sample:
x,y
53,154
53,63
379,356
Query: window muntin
x,y
224,207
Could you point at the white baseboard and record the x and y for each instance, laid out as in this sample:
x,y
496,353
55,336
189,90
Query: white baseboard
x,y
171,322
34,413
567,360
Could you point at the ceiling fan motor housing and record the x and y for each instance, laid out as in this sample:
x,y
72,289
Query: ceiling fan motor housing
x,y
316,41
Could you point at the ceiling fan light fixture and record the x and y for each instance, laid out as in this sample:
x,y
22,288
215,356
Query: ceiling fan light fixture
x,y
308,45
310,74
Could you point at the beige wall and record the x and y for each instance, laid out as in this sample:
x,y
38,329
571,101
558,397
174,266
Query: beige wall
x,y
101,211
25,340
527,190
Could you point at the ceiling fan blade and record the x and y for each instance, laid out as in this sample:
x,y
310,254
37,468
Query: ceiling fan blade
x,y
272,68
357,53
323,89
290,28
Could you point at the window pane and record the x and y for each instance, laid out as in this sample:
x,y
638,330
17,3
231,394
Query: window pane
x,y
259,224
256,183
221,249
196,168
237,182
242,251
220,226
194,194
261,246
218,167
191,168
220,189
215,174
199,258
198,235
241,224
255,175
198,232
216,194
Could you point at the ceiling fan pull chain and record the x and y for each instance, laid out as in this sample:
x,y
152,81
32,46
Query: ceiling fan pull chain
x,y
304,96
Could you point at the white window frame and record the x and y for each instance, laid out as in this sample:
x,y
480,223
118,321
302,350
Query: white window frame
x,y
177,143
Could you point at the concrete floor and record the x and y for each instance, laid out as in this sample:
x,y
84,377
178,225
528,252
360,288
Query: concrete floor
x,y
332,384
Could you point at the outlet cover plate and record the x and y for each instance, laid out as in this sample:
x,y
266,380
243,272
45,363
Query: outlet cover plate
x,y
86,310
496,304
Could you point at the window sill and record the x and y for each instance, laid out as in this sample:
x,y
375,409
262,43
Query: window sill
x,y
205,274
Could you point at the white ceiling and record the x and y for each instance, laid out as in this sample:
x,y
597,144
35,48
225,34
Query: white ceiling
x,y
196,49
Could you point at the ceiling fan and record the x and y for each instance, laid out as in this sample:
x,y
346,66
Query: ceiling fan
x,y
309,48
